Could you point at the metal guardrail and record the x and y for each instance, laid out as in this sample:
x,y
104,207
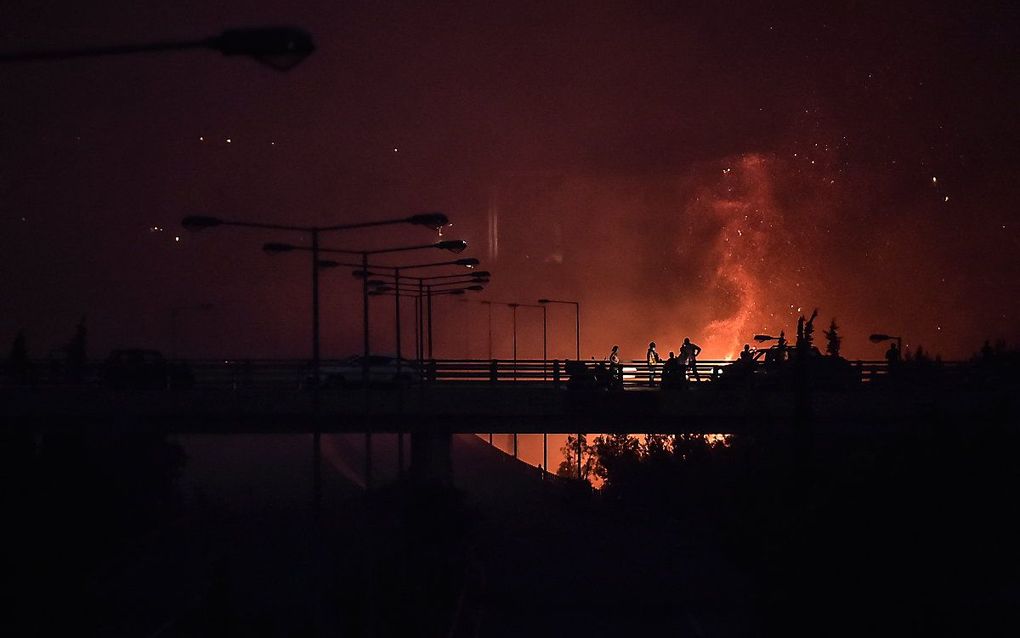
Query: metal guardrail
x,y
296,373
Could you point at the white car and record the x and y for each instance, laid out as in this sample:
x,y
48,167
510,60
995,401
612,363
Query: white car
x,y
382,371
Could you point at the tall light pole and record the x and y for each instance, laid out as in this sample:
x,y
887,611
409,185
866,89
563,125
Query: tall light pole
x,y
434,221
281,48
514,307
879,338
488,305
452,245
425,296
396,274
577,322
577,355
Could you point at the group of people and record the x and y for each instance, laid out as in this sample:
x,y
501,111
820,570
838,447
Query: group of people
x,y
674,368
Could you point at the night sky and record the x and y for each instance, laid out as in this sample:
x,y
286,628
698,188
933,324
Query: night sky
x,y
703,170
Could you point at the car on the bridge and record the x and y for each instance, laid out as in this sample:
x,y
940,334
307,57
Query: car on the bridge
x,y
138,369
382,371
780,372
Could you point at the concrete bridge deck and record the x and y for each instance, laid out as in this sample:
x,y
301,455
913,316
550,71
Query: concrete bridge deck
x,y
498,408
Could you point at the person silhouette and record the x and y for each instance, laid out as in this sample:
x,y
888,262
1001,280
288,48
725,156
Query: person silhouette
x,y
892,355
670,370
615,370
746,356
689,357
653,359
987,352
614,356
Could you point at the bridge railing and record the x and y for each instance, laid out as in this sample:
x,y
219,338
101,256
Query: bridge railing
x,y
297,374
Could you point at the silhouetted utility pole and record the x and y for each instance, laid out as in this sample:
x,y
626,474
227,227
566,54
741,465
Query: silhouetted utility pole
x,y
579,456
577,322
430,220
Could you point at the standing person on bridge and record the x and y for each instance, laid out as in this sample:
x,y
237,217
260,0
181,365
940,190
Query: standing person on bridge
x,y
747,355
689,357
653,359
615,369
671,372
892,355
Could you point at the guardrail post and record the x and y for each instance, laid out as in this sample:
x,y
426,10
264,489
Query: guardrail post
x,y
493,371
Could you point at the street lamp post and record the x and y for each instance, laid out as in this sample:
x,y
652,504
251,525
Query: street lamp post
x,y
200,222
577,322
488,305
397,275
577,355
434,221
281,48
879,338
452,245
424,306
514,307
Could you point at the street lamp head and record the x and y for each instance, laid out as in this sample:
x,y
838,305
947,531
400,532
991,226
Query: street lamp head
x,y
376,282
481,280
281,48
200,222
544,301
452,245
470,262
879,338
274,248
435,221
481,273
327,263
475,288
456,292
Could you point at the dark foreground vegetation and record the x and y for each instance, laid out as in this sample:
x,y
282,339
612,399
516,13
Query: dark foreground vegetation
x,y
794,533
909,534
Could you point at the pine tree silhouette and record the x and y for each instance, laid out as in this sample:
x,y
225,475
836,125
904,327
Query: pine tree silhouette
x,y
834,339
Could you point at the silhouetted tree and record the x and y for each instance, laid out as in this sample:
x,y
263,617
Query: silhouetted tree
x,y
656,445
614,453
568,466
834,339
691,447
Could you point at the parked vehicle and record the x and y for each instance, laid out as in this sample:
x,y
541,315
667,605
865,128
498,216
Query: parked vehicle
x,y
137,369
382,371
780,371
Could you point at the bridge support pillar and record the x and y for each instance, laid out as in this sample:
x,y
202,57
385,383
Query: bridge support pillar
x,y
431,460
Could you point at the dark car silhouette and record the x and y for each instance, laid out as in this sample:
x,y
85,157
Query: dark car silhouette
x,y
382,372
